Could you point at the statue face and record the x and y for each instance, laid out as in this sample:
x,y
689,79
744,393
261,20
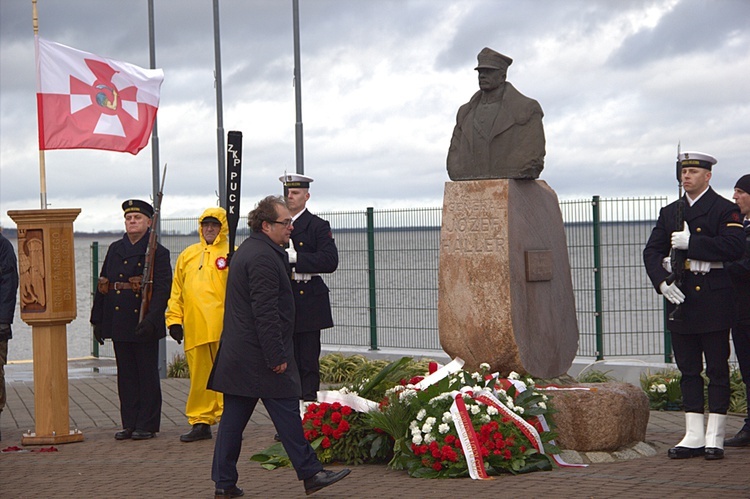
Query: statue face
x,y
490,79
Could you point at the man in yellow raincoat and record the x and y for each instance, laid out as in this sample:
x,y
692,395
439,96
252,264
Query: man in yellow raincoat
x,y
195,313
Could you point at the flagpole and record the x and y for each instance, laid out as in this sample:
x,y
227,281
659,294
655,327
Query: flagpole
x,y
42,167
297,91
219,109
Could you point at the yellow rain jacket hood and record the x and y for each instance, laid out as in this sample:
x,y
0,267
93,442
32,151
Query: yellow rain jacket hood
x,y
199,285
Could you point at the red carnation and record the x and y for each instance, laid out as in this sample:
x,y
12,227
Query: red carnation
x,y
346,410
336,417
325,443
437,466
327,429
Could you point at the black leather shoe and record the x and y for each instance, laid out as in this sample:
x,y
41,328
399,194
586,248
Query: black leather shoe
x,y
124,434
142,435
741,439
323,479
685,452
231,492
200,431
713,453
277,437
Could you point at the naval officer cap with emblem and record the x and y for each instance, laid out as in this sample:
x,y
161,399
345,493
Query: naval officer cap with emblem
x,y
697,159
295,181
137,206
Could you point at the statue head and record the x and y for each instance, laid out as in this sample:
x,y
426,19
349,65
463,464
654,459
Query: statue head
x,y
492,68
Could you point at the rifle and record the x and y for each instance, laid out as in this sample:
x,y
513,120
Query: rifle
x,y
148,265
677,257
234,176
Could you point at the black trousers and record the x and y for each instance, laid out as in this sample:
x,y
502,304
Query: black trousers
x,y
741,339
285,416
689,350
138,384
307,357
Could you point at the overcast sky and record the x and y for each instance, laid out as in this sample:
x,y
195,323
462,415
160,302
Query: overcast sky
x,y
620,82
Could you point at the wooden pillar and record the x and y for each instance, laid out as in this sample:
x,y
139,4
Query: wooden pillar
x,y
46,257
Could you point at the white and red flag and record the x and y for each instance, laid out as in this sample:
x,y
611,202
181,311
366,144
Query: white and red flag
x,y
85,101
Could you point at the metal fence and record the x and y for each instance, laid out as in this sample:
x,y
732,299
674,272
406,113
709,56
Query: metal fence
x,y
384,293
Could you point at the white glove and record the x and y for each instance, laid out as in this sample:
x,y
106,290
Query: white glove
x,y
667,264
680,240
700,266
291,252
672,293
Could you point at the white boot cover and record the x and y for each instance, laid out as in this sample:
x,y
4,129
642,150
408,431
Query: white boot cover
x,y
715,430
694,437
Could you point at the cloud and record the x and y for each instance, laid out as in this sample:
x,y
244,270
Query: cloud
x,y
620,84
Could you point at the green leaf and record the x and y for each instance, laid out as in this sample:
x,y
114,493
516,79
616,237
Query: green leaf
x,y
375,381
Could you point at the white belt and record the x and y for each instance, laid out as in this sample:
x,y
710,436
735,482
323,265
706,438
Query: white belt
x,y
714,265
296,276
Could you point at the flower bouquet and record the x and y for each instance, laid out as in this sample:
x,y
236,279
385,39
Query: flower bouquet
x,y
467,424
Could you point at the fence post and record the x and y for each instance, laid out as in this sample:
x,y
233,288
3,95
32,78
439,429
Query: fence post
x,y
94,281
595,204
371,279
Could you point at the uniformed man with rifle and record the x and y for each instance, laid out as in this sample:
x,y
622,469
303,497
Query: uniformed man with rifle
x,y
709,232
129,305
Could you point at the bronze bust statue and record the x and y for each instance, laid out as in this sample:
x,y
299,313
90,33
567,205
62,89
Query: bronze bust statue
x,y
499,132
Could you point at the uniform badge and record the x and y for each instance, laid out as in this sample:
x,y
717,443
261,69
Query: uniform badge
x,y
221,263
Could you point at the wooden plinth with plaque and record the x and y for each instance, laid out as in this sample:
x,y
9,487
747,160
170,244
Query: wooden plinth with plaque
x,y
46,264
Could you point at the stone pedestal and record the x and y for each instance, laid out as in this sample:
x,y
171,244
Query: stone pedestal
x,y
46,264
505,294
604,418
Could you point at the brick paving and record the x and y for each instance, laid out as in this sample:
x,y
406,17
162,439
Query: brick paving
x,y
165,467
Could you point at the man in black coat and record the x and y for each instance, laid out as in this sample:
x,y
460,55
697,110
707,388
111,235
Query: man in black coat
x,y
8,289
115,313
312,251
256,352
739,272
711,233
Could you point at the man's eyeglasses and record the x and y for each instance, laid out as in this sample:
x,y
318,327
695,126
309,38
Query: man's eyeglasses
x,y
285,223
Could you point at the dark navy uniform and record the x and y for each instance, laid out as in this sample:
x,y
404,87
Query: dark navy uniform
x,y
116,308
715,236
316,254
739,271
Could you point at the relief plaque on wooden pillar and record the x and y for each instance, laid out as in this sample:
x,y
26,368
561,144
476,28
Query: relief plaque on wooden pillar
x,y
46,265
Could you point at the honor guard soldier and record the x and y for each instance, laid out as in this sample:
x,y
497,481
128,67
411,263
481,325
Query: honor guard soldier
x,y
312,251
115,313
710,233
739,271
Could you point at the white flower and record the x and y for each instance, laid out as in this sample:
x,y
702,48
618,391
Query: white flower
x,y
492,411
542,405
475,409
662,388
430,421
421,414
428,439
476,388
444,428
447,417
484,366
519,409
484,418
545,398
426,428
476,376
413,424
406,395
416,439
529,382
652,388
514,375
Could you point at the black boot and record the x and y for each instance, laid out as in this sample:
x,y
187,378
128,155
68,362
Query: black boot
x,y
200,431
741,439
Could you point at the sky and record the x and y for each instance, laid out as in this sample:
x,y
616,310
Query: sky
x,y
621,83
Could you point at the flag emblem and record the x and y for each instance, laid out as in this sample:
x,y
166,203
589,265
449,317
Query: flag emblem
x,y
90,102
